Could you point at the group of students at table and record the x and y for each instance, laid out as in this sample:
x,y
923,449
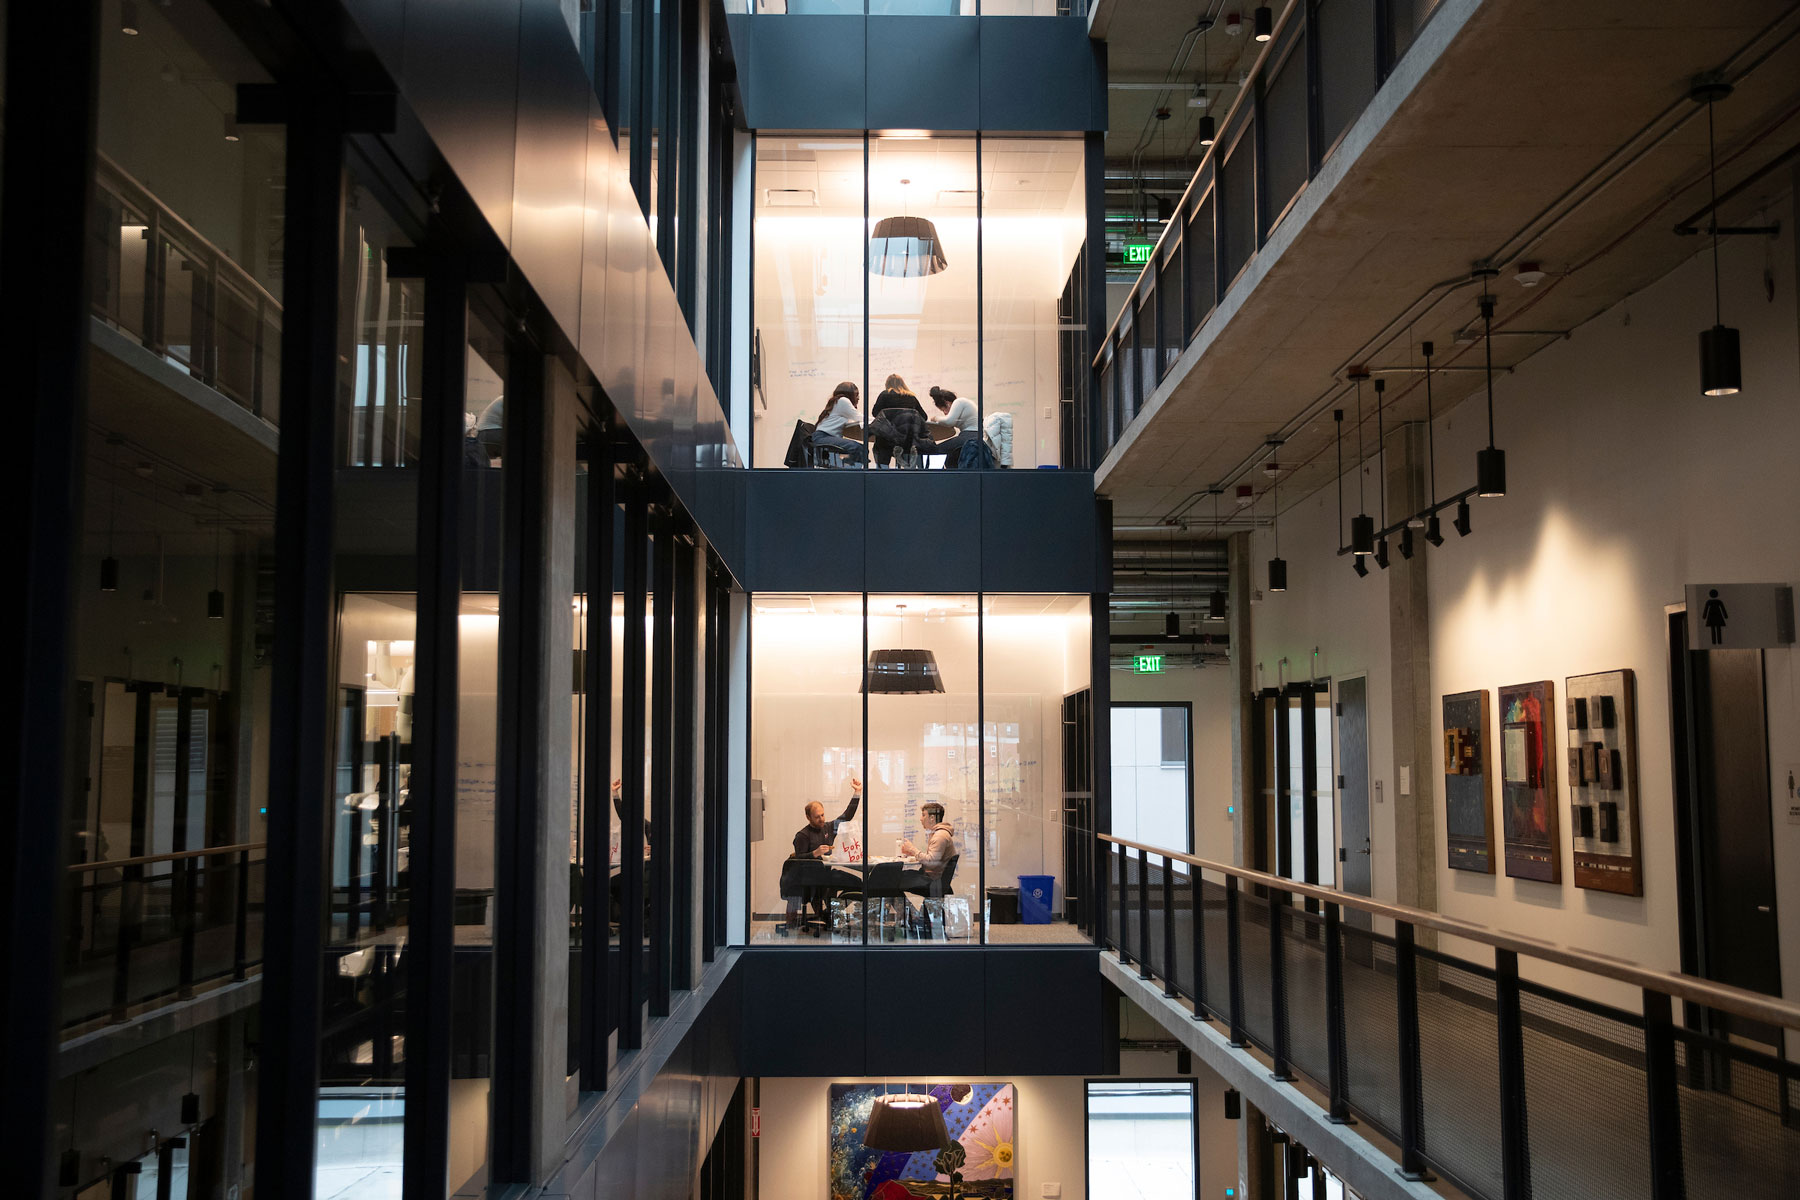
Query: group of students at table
x,y
897,423
815,840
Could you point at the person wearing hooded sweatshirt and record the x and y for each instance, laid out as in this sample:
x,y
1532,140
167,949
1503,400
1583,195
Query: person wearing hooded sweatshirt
x,y
940,847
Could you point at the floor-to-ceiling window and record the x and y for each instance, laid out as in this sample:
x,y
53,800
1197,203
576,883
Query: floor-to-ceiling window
x,y
946,256
1141,1139
951,826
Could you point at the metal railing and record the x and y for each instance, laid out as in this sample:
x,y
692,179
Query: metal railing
x,y
1317,74
1502,1085
159,282
162,925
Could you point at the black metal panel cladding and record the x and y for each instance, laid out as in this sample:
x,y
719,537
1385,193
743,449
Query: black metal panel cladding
x,y
915,72
1017,1030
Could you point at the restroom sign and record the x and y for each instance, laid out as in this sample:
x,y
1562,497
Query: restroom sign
x,y
1739,616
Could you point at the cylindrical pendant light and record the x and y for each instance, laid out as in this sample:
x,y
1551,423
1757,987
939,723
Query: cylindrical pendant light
x,y
1490,464
1721,365
1278,564
1362,525
109,566
1263,23
1209,130
215,599
1381,548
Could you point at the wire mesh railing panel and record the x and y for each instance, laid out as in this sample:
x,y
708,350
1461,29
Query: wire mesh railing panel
x,y
1218,961
1303,957
1586,1099
1253,951
1735,1144
1183,917
1124,904
1153,899
1459,1070
1371,1028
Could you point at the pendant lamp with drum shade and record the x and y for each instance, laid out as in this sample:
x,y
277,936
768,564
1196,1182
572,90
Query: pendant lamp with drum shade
x,y
1721,365
906,1122
902,673
906,247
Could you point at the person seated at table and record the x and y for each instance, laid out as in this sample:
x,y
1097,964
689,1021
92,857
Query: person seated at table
x,y
961,415
926,867
814,841
897,422
839,412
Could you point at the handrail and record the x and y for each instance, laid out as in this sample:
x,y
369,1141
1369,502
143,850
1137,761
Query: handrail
x,y
145,859
1754,1006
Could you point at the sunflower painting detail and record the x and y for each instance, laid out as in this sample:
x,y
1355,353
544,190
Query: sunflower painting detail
x,y
979,1116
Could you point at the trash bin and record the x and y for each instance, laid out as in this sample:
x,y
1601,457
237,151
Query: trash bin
x,y
1003,905
1037,896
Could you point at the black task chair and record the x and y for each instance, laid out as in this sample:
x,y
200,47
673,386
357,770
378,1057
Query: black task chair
x,y
932,892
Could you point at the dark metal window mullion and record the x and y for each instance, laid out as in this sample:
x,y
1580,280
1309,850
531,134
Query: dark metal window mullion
x,y
709,762
682,840
980,702
980,362
863,667
687,222
597,1017
663,840
642,102
868,403
631,773
1309,792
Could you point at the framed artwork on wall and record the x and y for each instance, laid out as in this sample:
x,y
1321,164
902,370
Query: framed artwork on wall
x,y
1468,795
1603,801
1528,801
978,1118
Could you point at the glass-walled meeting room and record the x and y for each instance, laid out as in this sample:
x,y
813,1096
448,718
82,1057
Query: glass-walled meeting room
x,y
907,768
906,299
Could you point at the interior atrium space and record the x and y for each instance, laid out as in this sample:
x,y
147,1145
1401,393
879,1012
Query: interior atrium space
x,y
901,600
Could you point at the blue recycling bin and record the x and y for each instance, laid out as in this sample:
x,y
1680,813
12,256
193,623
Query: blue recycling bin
x,y
1037,896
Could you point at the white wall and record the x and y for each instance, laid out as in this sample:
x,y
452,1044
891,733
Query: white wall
x,y
1625,484
1048,1135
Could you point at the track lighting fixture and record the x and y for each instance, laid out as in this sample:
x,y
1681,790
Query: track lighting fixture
x,y
1358,567
1461,524
1362,525
1721,365
1490,464
1434,531
1264,21
1406,542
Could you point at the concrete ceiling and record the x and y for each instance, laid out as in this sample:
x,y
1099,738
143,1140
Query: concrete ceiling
x,y
1545,132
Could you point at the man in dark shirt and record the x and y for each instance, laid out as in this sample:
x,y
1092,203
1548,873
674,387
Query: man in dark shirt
x,y
814,841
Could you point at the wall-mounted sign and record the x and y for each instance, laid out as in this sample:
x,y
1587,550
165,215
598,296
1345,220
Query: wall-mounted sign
x,y
1739,616
1138,253
1147,664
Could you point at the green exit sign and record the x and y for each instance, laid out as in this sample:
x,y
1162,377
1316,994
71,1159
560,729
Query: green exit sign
x,y
1138,253
1147,664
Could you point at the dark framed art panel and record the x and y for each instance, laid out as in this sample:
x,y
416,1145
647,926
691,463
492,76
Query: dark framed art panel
x,y
1528,782
1601,715
1468,783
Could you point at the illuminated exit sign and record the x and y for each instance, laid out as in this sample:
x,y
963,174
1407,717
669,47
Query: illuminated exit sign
x,y
1147,664
1138,253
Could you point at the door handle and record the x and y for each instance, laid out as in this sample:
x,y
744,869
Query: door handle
x,y
1363,851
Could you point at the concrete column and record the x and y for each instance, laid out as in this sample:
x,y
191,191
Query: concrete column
x,y
1243,752
1409,648
1256,1158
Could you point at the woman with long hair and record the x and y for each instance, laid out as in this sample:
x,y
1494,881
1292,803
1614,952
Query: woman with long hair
x,y
961,415
897,422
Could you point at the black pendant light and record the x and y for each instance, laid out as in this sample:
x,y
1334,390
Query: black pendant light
x,y
902,673
1209,129
1490,464
1172,621
1721,366
906,247
1362,525
215,599
109,566
1434,532
1381,547
1262,22
906,1122
1278,564
1406,542
1461,524
1215,603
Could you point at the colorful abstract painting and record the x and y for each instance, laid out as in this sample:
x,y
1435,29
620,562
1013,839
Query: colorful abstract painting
x,y
979,1115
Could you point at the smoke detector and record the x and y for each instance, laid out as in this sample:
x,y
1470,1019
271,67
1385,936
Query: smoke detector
x,y
1529,274
1246,495
1198,99
1234,24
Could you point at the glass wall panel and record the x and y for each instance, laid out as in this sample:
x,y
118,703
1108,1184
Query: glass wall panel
x,y
1035,651
1152,789
1284,117
170,633
1347,37
1034,223
477,754
924,770
1237,203
806,824
1169,340
923,273
809,281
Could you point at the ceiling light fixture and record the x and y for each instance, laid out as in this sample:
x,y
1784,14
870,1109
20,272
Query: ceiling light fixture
x,y
1264,20
1434,532
128,18
1337,419
906,247
1215,603
903,673
1209,129
1461,524
1381,547
1721,365
215,599
1362,525
1246,495
231,127
910,1121
1234,24
1278,564
1406,542
1490,464
109,566
1172,622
